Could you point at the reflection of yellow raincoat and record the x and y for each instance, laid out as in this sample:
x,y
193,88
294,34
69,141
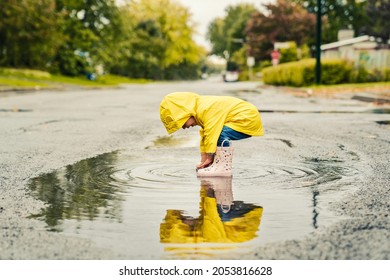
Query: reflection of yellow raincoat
x,y
211,114
209,226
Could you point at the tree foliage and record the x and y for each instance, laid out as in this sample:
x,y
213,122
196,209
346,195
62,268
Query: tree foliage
x,y
339,14
145,38
89,28
28,33
160,45
228,33
378,19
282,21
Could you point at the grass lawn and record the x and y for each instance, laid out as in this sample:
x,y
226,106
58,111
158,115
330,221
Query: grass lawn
x,y
27,78
19,83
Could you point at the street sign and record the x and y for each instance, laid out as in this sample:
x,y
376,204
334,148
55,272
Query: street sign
x,y
250,61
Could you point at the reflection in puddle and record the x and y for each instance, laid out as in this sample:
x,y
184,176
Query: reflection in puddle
x,y
156,209
220,220
85,190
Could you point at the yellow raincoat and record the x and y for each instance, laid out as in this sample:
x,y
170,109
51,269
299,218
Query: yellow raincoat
x,y
211,114
209,227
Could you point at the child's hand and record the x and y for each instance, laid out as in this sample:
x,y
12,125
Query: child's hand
x,y
205,160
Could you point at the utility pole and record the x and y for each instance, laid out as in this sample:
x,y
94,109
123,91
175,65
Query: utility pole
x,y
318,42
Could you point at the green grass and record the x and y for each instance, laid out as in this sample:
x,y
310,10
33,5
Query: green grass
x,y
23,78
104,80
20,83
24,73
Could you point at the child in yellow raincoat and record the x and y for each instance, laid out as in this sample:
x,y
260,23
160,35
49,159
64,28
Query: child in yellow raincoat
x,y
220,118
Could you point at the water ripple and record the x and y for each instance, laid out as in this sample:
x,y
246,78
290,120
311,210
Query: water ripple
x,y
302,174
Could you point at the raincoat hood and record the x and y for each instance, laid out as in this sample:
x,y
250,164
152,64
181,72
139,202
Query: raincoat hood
x,y
176,108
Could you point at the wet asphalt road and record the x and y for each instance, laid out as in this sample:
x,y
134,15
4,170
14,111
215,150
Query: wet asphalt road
x,y
44,131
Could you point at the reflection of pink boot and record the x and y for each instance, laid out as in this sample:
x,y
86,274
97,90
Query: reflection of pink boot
x,y
222,164
223,193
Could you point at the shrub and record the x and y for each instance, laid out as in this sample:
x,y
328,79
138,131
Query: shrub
x,y
364,75
302,73
264,64
289,54
386,74
335,72
291,73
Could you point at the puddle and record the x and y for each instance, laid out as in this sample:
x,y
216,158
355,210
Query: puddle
x,y
371,99
379,111
159,209
171,141
16,110
238,91
370,111
383,122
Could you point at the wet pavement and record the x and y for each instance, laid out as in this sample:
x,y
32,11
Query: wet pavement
x,y
93,175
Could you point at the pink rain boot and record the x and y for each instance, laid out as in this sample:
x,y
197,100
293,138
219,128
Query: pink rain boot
x,y
223,193
222,164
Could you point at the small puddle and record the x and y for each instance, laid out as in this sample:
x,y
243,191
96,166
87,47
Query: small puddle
x,y
238,91
379,111
370,111
371,99
159,209
383,122
171,141
16,110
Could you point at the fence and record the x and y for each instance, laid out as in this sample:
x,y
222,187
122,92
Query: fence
x,y
371,58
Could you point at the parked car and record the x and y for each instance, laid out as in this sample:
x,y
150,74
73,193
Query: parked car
x,y
230,76
232,72
204,76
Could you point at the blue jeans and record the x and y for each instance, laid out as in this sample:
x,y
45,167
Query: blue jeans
x,y
230,134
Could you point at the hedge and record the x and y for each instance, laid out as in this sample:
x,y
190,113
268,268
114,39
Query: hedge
x,y
333,71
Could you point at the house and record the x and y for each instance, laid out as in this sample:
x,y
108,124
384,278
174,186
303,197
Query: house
x,y
362,50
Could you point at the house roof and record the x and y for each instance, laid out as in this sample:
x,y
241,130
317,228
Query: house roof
x,y
345,42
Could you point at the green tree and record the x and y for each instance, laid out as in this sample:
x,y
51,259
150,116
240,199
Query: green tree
x,y
160,45
338,14
378,19
228,33
29,34
281,22
90,29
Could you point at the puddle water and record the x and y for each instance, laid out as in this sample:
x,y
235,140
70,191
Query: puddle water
x,y
383,122
170,141
15,110
159,209
370,111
